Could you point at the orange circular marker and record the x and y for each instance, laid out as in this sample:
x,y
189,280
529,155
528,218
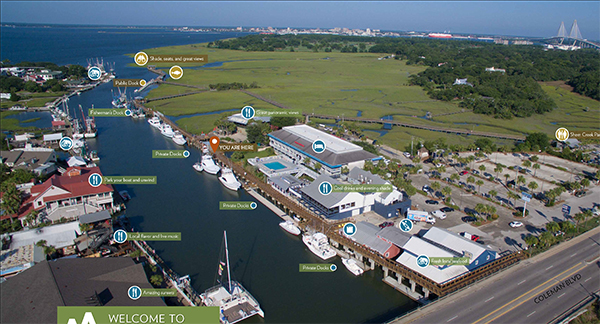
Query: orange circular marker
x,y
214,143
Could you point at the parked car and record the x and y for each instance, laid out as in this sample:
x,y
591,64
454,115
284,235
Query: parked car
x,y
427,189
579,193
469,236
463,172
515,224
468,219
475,171
439,214
406,154
386,224
431,202
447,209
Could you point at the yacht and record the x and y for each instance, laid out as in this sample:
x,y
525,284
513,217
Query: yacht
x,y
289,227
234,301
178,138
317,243
228,179
198,166
352,266
166,130
154,121
209,165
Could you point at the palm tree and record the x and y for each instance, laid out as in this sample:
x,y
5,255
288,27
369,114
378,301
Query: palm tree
x,y
455,177
585,182
579,217
480,208
514,196
447,191
491,210
521,180
307,161
482,168
136,254
552,227
49,251
470,179
435,186
531,240
532,185
498,169
507,176
526,164
41,243
535,167
471,158
416,159
566,226
493,193
479,183
318,166
546,238
534,158
156,280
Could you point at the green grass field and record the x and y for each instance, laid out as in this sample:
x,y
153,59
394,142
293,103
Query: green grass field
x,y
11,124
342,84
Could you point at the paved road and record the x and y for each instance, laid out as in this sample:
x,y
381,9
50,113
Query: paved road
x,y
535,291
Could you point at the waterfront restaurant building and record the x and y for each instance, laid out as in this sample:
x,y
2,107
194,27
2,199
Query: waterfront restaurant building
x,y
295,142
69,195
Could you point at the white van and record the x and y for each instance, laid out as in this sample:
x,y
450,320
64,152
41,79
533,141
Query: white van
x,y
439,214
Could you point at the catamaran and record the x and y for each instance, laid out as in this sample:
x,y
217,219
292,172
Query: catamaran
x,y
234,301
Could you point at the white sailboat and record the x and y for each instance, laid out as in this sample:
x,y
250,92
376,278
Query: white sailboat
x,y
178,138
209,165
229,180
317,243
234,301
289,227
352,266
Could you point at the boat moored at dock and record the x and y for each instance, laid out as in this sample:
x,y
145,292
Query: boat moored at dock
x,y
229,180
317,244
166,130
178,138
289,227
154,122
198,166
209,165
352,266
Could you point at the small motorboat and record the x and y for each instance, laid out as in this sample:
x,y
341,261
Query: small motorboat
x,y
289,227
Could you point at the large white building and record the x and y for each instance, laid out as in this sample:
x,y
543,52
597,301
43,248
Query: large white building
x,y
295,142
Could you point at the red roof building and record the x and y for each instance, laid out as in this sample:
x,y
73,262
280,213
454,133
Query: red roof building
x,y
70,195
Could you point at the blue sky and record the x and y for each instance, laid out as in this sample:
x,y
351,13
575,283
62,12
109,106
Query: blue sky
x,y
533,18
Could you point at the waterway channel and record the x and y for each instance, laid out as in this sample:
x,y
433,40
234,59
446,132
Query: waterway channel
x,y
263,257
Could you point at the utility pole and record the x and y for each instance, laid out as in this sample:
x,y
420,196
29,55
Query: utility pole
x,y
411,146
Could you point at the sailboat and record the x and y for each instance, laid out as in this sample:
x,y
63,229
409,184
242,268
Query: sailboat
x,y
235,302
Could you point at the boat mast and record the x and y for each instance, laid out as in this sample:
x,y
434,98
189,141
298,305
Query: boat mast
x,y
227,257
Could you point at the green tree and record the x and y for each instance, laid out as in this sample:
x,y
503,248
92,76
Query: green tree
x,y
416,159
447,191
507,176
579,217
454,176
318,166
521,180
41,243
470,179
11,200
566,226
435,186
479,183
546,238
156,280
532,185
552,227
482,168
585,182
493,193
306,161
531,240
535,167
283,121
534,158
513,196
526,164
136,254
85,227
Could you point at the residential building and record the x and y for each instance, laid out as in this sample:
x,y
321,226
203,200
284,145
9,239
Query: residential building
x,y
295,142
34,295
42,162
493,69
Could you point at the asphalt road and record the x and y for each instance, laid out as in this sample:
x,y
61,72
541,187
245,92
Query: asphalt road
x,y
535,291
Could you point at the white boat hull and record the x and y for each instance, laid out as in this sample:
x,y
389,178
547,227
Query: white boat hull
x,y
90,135
323,251
230,185
290,228
197,167
179,141
352,266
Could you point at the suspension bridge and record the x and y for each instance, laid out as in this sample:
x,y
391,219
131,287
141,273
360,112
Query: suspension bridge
x,y
569,41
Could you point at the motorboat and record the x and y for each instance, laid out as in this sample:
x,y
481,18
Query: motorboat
x,y
318,244
154,122
352,266
234,301
229,180
209,165
289,227
178,138
166,130
198,166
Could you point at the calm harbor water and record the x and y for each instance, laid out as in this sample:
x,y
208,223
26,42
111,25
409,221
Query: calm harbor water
x,y
263,257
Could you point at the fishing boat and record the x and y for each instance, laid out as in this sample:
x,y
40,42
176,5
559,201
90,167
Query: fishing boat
x,y
120,100
94,156
209,165
198,166
77,134
317,243
125,195
166,130
178,138
154,122
229,180
289,227
90,125
234,301
352,266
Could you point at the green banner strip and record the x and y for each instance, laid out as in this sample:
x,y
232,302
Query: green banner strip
x,y
154,236
236,205
137,314
169,154
159,292
107,112
316,267
362,188
129,180
450,261
278,113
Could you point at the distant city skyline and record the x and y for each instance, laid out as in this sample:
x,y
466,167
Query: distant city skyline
x,y
519,18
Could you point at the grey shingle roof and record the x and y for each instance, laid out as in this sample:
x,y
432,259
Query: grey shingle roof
x,y
394,235
94,217
312,190
366,234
